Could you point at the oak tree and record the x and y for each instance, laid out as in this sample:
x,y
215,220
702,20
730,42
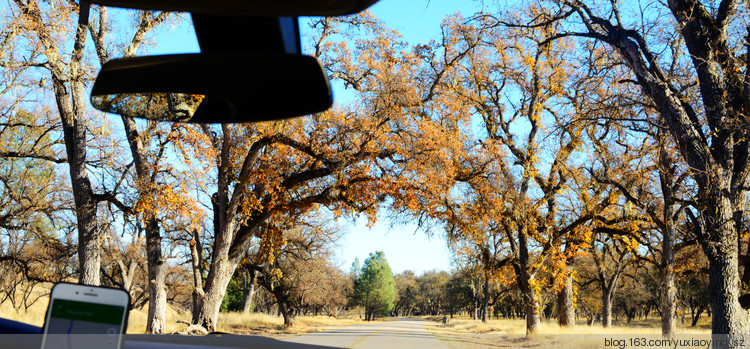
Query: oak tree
x,y
704,110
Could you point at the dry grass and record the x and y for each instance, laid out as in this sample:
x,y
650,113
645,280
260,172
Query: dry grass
x,y
237,323
257,323
34,315
271,325
467,333
518,326
137,319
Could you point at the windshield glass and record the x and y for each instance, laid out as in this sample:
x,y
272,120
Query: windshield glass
x,y
485,169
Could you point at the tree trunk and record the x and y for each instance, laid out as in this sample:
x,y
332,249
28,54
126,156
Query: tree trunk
x,y
721,247
157,291
475,311
696,316
127,274
668,291
67,75
248,291
526,284
157,305
531,303
668,296
71,105
89,241
74,131
532,314
196,258
209,303
566,315
606,308
283,302
208,306
728,317
229,244
486,300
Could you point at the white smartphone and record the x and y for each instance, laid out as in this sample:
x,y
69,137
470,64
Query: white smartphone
x,y
80,316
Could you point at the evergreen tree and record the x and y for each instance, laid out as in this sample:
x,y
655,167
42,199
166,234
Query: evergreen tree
x,y
375,288
356,267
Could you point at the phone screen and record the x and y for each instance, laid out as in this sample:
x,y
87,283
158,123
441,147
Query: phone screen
x,y
74,324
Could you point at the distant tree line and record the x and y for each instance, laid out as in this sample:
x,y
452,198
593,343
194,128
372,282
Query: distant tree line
x,y
372,290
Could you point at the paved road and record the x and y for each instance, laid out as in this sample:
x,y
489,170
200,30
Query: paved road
x,y
400,334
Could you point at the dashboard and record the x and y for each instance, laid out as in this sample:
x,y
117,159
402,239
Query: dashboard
x,y
19,335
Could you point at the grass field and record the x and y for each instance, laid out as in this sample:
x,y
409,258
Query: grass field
x,y
462,332
34,315
651,325
264,323
273,326
257,323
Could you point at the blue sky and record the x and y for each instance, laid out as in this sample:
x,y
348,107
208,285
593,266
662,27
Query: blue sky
x,y
416,20
405,248
419,20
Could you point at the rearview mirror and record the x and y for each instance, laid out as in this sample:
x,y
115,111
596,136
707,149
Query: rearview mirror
x,y
248,7
213,88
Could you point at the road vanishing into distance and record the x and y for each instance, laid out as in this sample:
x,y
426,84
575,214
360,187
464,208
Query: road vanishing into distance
x,y
400,334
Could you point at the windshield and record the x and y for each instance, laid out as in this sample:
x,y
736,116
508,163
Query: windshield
x,y
533,166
